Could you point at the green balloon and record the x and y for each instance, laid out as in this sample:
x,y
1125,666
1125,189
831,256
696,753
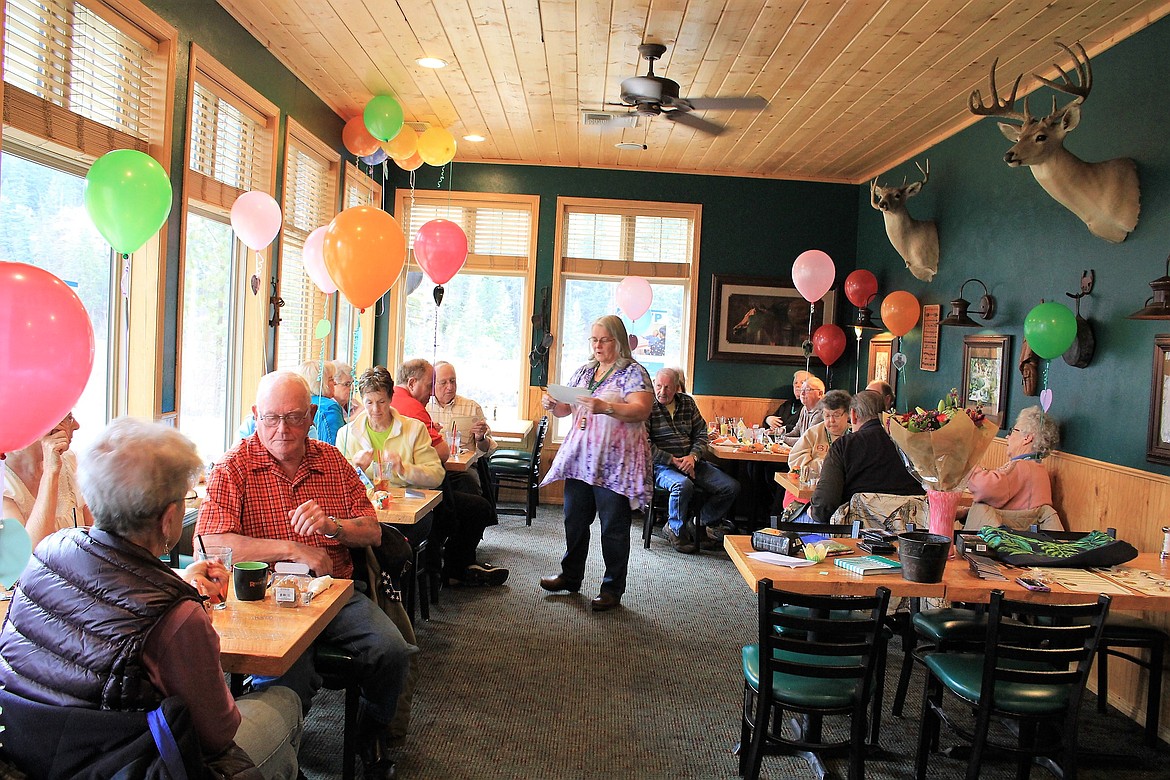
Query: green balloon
x,y
383,117
128,197
1050,329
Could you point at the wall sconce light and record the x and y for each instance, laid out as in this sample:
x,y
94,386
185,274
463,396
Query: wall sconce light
x,y
958,314
864,318
1158,305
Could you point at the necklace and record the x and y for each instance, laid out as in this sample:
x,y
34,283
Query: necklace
x,y
593,384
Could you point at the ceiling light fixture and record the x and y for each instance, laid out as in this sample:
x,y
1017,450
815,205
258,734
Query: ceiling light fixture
x,y
434,63
475,139
958,315
630,145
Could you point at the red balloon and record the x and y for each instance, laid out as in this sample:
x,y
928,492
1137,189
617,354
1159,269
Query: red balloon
x,y
357,138
46,352
860,287
440,248
900,312
828,343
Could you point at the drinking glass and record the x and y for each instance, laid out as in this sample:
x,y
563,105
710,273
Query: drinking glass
x,y
222,555
810,473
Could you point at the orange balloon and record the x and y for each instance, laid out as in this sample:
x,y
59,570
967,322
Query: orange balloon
x,y
403,145
412,163
357,138
364,251
900,312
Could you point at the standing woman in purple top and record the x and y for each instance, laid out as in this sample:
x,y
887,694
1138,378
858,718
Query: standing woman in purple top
x,y
604,460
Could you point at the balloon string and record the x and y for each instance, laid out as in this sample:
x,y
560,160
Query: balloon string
x,y
442,173
812,307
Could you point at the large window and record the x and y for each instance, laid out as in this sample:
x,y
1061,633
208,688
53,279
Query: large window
x,y
603,241
310,201
82,79
44,224
483,322
222,323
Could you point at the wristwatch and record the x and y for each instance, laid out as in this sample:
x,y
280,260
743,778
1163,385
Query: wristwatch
x,y
336,528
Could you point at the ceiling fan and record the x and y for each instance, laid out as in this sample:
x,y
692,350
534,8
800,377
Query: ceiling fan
x,y
652,95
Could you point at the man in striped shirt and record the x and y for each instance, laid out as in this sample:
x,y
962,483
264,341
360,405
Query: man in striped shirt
x,y
678,443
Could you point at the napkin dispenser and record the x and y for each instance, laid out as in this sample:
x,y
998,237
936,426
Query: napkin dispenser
x,y
774,541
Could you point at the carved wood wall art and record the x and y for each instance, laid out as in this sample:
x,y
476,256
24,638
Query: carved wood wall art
x,y
916,240
1105,195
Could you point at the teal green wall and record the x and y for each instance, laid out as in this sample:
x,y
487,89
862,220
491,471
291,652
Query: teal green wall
x,y
997,224
206,23
752,227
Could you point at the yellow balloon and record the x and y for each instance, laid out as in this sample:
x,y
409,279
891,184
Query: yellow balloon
x,y
436,146
402,145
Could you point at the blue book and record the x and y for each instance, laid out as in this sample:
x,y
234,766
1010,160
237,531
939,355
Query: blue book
x,y
870,564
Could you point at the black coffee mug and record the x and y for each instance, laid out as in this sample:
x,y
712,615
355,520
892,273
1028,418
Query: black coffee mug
x,y
250,579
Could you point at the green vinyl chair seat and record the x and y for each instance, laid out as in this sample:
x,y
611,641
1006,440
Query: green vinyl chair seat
x,y
511,467
963,674
514,454
800,691
950,624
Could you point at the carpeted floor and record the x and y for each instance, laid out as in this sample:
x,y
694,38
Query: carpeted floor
x,y
517,683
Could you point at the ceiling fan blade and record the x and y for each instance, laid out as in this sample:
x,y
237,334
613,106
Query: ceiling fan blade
x,y
753,102
696,122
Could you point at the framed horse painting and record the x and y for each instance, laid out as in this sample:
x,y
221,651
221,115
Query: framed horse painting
x,y
761,320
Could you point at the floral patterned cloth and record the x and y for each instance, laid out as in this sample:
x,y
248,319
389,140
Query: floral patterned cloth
x,y
607,453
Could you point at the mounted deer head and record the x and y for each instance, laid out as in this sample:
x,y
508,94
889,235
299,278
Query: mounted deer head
x,y
1104,195
915,240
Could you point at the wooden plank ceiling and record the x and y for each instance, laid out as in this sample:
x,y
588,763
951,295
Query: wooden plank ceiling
x,y
854,86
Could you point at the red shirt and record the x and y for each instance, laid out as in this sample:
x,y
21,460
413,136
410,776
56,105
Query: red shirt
x,y
249,494
406,403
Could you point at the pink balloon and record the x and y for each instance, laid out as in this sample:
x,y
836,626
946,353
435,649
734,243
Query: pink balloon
x,y
440,249
634,296
46,353
256,219
313,258
813,274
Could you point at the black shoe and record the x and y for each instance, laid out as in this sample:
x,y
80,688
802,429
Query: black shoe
x,y
605,601
680,545
710,539
559,582
484,574
373,750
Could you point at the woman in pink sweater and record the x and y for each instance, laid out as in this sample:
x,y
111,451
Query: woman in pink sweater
x,y
1022,482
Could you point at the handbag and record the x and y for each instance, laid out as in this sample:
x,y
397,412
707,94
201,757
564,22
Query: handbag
x,y
1036,548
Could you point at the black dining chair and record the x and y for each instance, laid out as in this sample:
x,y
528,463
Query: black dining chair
x,y
817,656
1030,671
657,512
519,470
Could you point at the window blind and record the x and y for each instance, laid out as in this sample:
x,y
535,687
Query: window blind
x,y
495,233
227,143
629,235
310,199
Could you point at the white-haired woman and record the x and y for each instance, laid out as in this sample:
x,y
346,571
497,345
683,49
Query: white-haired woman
x,y
328,420
100,623
342,386
604,460
1023,482
40,484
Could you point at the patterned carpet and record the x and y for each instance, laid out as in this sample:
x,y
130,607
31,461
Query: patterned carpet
x,y
517,683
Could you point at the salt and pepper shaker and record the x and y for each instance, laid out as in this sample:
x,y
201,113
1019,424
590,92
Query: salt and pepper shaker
x,y
1165,542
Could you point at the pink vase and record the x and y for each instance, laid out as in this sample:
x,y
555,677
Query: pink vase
x,y
942,505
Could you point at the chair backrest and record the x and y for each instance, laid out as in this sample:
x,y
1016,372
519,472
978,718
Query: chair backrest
x,y
538,446
852,530
1044,644
801,642
383,565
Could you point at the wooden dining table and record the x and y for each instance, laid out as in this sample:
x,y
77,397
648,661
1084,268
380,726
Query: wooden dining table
x,y
404,510
738,452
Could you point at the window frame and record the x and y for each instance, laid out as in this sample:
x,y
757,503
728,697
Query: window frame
x,y
47,133
486,265
252,337
565,267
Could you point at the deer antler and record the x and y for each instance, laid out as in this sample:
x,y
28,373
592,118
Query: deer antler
x,y
997,107
873,197
1084,74
925,171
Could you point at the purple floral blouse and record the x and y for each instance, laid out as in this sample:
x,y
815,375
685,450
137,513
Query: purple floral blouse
x,y
607,453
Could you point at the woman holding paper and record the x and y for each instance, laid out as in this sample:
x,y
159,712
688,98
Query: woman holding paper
x,y
604,460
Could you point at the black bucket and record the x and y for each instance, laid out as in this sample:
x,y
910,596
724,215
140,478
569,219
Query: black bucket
x,y
923,556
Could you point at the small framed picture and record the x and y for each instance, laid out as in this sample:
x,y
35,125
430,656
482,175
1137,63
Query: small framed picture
x,y
1158,438
760,320
881,361
985,375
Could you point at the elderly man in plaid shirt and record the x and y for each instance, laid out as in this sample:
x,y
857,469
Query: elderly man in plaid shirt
x,y
678,443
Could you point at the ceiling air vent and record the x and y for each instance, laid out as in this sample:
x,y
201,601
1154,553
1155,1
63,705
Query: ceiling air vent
x,y
607,119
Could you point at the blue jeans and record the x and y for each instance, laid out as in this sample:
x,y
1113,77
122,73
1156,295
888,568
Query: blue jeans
x,y
720,488
364,630
583,502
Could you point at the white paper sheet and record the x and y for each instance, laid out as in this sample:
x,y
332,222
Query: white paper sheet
x,y
781,560
566,394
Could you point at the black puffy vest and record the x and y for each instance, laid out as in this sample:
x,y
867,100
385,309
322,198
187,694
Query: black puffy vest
x,y
78,622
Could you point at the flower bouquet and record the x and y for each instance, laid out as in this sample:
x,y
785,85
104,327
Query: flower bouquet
x,y
941,448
